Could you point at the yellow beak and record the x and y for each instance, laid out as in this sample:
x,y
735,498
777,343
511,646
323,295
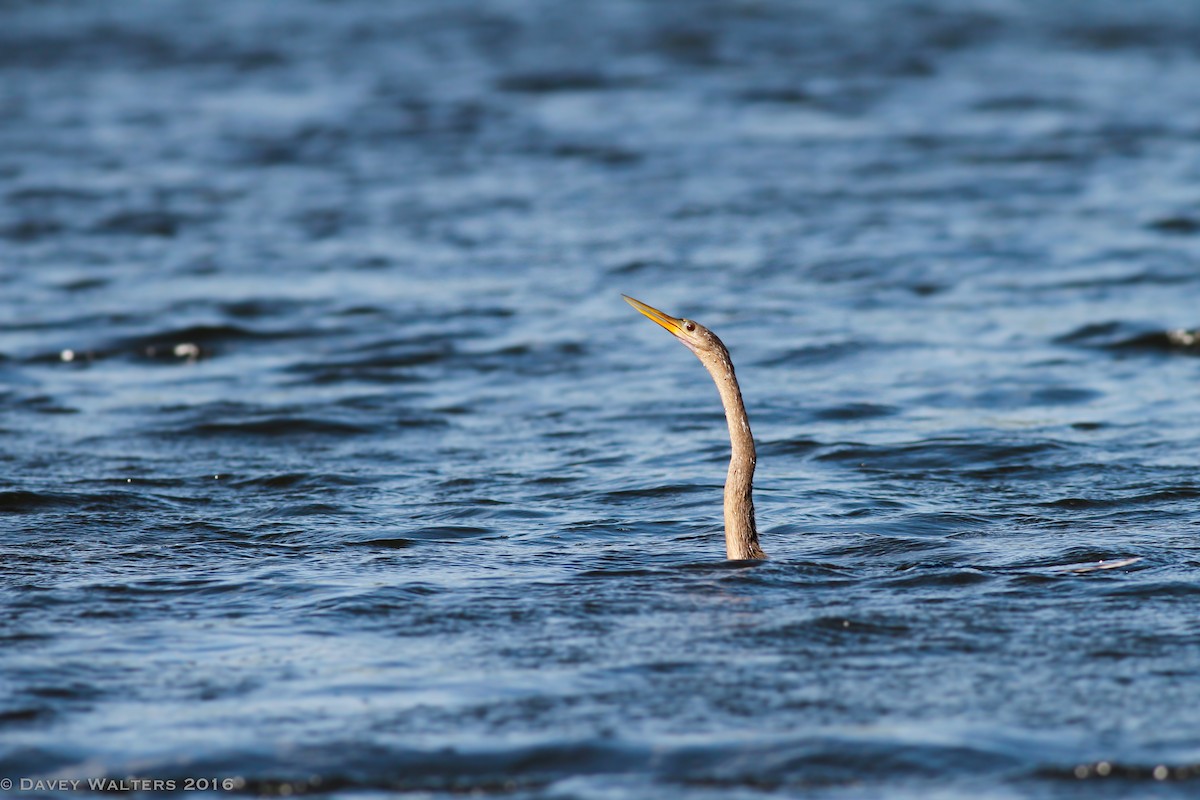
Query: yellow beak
x,y
672,324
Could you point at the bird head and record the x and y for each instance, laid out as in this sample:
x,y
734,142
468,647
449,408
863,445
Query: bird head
x,y
697,338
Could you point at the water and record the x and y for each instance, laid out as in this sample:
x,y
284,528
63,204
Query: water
x,y
333,462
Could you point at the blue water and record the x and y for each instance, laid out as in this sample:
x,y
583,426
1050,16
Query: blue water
x,y
334,464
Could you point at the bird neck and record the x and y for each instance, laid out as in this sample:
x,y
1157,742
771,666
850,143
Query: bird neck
x,y
741,533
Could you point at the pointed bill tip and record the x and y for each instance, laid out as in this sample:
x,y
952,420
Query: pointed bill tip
x,y
672,324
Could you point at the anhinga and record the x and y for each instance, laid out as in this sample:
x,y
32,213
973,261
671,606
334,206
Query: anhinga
x,y
741,535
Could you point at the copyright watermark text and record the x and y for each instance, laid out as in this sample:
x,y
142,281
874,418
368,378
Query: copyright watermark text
x,y
122,785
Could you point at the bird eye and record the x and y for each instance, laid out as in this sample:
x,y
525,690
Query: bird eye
x,y
689,326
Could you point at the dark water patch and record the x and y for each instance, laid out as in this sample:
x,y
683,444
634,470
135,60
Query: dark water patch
x,y
878,548
54,321
25,715
392,543
262,308
473,312
1021,397
637,266
689,45
941,577
97,45
800,446
370,372
842,627
779,574
364,311
138,476
30,502
805,571
1063,395
942,455
156,223
383,363
73,690
854,411
1158,496
619,496
449,533
922,289
937,523
303,481
1177,225
272,427
1169,33
718,568
43,404
135,590
551,82
1159,589
380,603
812,355
304,510
1174,270
1040,154
1095,332
620,574
1019,103
595,152
311,145
788,95
83,284
436,123
538,359
1124,336
232,421
322,223
50,194
32,229
857,507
